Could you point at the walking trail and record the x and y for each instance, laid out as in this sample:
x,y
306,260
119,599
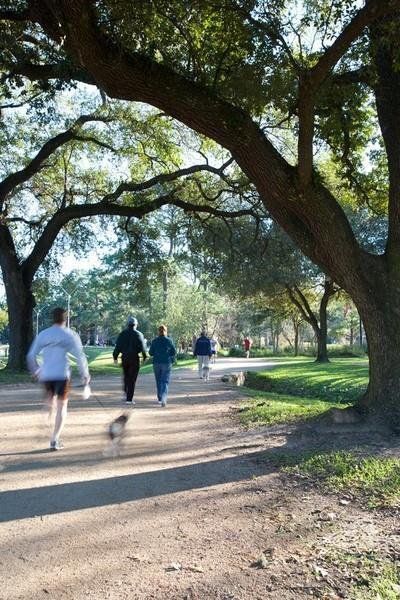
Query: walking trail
x,y
184,513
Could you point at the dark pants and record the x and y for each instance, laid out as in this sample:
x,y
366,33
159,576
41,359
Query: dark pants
x,y
131,370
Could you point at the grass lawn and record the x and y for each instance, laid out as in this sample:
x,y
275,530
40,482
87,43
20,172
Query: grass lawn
x,y
297,389
270,409
301,389
341,380
373,479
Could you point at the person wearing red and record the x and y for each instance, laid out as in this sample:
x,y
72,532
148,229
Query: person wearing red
x,y
247,343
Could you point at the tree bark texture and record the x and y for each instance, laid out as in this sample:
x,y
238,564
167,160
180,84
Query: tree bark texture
x,y
20,303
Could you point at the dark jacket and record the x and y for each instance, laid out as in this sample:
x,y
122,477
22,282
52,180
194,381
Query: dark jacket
x,y
162,350
202,347
130,343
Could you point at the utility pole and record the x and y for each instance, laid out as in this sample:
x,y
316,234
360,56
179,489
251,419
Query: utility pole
x,y
68,294
38,311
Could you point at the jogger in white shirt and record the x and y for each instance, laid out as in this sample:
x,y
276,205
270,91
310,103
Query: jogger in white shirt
x,y
54,344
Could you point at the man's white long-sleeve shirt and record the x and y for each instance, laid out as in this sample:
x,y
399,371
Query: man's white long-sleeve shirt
x,y
54,344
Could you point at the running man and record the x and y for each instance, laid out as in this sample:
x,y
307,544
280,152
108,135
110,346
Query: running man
x,y
54,344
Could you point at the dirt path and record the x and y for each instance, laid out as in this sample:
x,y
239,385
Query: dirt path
x,y
184,513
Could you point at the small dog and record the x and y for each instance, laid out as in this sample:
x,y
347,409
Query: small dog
x,y
115,433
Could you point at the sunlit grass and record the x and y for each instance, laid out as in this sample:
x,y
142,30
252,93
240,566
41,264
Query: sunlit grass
x,y
270,409
374,480
382,586
341,380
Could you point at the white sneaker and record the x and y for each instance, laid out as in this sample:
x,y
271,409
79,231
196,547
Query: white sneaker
x,y
56,445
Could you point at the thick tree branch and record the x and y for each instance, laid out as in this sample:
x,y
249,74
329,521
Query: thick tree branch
x,y
373,9
20,104
80,211
190,207
311,79
97,142
8,252
303,306
63,71
161,179
19,177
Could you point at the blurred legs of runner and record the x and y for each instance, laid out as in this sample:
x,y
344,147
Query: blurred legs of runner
x,y
57,397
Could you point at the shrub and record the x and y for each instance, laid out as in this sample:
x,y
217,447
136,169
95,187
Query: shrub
x,y
236,353
183,356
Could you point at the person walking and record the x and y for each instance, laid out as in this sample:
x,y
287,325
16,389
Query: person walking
x,y
54,344
247,344
163,352
130,343
214,349
202,351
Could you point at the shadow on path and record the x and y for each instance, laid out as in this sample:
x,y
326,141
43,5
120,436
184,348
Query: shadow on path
x,y
53,499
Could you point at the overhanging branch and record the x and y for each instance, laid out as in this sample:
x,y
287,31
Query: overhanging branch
x,y
19,177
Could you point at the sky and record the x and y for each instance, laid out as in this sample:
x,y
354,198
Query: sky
x,y
91,261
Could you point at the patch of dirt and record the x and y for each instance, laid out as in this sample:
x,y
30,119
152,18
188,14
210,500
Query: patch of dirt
x,y
194,508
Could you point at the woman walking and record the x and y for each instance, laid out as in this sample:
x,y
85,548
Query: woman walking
x,y
163,352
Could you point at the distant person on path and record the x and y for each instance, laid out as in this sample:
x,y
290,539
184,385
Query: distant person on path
x,y
54,344
163,352
130,343
214,349
202,350
247,343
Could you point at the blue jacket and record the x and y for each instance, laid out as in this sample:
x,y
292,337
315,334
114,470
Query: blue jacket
x,y
202,347
162,350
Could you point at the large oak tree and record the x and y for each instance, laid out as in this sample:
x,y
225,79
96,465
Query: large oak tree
x,y
229,70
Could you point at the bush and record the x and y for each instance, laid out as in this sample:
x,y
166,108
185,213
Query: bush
x,y
183,356
338,351
254,353
236,353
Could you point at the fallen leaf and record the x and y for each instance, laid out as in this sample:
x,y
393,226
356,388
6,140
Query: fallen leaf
x,y
173,567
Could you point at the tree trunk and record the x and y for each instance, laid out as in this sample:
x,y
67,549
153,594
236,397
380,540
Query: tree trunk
x,y
165,294
322,350
20,302
321,332
296,338
382,330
